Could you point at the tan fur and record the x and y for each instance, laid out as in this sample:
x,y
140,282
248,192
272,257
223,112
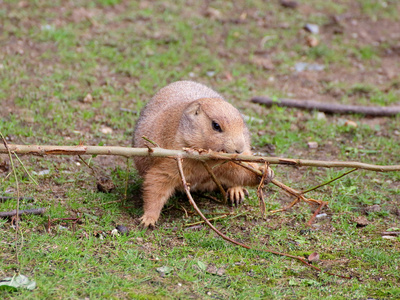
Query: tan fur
x,y
181,115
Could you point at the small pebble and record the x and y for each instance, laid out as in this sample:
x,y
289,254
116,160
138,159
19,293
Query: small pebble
x,y
289,4
114,232
122,229
106,130
303,66
210,73
312,41
313,28
321,116
41,173
350,123
312,145
321,215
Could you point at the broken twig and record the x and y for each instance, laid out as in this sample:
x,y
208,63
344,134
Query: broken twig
x,y
196,208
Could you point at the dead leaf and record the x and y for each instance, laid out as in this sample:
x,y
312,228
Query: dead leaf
x,y
263,62
361,221
313,257
88,98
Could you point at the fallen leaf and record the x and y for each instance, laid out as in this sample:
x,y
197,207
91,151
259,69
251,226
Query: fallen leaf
x,y
202,266
165,269
313,257
211,269
16,282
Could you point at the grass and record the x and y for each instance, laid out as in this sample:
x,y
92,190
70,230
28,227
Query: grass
x,y
121,53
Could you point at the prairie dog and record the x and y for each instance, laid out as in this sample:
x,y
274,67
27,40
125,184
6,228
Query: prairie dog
x,y
189,114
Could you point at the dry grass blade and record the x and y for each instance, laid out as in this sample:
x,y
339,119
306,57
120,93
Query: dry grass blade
x,y
260,192
216,181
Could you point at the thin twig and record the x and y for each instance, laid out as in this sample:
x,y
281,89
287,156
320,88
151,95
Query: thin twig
x,y
150,141
87,165
316,213
186,213
18,196
23,166
216,181
210,219
111,202
232,216
193,203
329,181
126,180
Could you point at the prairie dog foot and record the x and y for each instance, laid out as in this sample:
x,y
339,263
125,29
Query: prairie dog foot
x,y
148,221
236,194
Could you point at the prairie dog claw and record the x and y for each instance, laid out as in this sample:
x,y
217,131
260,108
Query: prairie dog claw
x,y
237,194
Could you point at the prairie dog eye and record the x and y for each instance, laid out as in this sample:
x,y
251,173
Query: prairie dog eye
x,y
216,126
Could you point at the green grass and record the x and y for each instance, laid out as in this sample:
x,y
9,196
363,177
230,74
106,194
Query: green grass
x,y
122,52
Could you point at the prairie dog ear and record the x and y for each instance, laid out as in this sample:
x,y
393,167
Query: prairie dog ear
x,y
193,109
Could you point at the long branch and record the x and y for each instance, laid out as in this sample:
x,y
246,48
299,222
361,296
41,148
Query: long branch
x,y
201,155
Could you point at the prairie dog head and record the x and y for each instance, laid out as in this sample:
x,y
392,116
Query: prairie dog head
x,y
212,123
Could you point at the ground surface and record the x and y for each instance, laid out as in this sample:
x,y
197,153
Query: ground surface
x,y
79,71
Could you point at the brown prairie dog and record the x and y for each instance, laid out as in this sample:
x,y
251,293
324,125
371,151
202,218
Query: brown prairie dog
x,y
189,114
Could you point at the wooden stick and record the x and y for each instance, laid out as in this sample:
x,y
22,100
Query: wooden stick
x,y
333,108
198,154
12,213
